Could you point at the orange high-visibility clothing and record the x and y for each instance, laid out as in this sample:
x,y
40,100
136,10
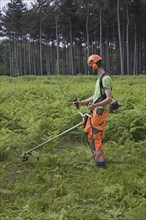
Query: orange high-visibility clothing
x,y
94,131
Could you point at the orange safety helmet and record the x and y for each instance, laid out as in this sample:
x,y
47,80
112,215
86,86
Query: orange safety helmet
x,y
92,61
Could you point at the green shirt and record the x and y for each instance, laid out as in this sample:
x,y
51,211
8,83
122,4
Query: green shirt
x,y
107,84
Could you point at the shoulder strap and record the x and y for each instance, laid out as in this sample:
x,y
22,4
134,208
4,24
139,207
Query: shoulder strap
x,y
100,81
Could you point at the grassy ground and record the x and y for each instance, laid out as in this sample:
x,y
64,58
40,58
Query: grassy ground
x,y
65,184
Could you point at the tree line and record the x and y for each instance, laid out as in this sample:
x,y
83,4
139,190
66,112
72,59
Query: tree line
x,y
56,37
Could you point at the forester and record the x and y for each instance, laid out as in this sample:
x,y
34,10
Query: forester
x,y
98,105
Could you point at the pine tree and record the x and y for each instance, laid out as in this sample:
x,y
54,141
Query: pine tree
x,y
13,20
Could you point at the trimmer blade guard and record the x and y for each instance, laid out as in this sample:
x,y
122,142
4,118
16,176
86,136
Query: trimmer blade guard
x,y
35,154
24,156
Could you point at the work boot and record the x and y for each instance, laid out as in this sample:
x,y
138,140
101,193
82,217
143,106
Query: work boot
x,y
101,165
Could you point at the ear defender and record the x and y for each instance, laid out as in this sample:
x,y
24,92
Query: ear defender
x,y
94,67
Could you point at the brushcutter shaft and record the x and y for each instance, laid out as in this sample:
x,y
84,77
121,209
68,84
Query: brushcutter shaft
x,y
51,139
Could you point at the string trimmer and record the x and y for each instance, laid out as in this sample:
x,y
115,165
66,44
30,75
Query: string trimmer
x,y
32,152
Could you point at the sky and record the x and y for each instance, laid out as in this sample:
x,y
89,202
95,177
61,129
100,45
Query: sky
x,y
5,2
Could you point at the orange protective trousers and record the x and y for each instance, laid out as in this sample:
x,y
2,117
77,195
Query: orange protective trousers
x,y
94,131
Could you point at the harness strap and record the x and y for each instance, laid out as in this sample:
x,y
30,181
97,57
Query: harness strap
x,y
100,81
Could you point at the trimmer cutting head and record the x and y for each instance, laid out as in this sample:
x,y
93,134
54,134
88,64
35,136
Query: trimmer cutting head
x,y
25,155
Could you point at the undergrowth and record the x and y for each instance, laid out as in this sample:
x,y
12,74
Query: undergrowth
x,y
65,184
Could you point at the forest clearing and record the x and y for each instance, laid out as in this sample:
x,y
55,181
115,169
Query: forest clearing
x,y
64,183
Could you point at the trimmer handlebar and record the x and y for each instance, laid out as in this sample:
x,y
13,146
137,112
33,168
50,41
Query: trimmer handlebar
x,y
75,100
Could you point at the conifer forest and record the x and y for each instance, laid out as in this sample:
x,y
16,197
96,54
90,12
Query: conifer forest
x,y
56,37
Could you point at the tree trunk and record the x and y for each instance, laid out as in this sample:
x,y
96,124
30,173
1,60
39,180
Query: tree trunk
x,y
10,57
41,58
100,17
20,57
119,34
16,56
87,31
48,59
63,57
52,58
123,45
24,60
29,55
68,59
144,57
33,58
135,52
127,39
58,66
71,49
140,56
107,54
75,61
